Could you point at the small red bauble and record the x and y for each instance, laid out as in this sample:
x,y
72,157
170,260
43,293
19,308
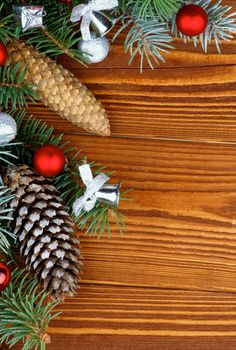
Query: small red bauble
x,y
5,276
3,54
191,20
49,160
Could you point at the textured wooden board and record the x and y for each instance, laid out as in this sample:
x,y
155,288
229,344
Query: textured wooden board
x,y
123,318
181,222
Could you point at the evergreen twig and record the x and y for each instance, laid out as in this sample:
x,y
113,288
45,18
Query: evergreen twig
x,y
164,9
5,32
14,88
6,149
24,313
6,236
56,39
150,39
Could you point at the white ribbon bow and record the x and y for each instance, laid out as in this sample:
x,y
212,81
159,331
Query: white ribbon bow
x,y
89,199
85,12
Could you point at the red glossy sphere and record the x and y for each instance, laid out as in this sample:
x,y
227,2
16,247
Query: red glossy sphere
x,y
5,276
49,160
3,54
191,20
65,1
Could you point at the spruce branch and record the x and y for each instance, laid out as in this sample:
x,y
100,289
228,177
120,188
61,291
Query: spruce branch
x,y
5,149
148,38
14,88
58,37
97,221
25,313
163,9
6,236
5,32
221,25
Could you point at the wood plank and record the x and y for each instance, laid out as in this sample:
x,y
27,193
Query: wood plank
x,y
117,318
181,222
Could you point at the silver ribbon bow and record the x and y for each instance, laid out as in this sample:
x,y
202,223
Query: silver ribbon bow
x,y
85,11
89,199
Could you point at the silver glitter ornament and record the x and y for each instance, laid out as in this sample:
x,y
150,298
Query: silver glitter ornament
x,y
94,50
8,128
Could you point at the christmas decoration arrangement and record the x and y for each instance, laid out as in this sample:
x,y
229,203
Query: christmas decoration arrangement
x,y
48,193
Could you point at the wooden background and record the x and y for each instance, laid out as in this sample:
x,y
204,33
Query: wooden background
x,y
170,283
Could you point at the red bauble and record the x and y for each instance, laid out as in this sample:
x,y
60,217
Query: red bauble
x,y
191,20
5,276
3,54
65,1
49,160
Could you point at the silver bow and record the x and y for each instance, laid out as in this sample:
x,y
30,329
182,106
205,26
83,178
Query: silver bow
x,y
85,11
93,185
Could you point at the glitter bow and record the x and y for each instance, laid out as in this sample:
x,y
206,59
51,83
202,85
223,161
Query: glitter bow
x,y
93,185
85,11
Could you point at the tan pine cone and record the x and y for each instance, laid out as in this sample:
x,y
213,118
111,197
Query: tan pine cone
x,y
45,232
59,89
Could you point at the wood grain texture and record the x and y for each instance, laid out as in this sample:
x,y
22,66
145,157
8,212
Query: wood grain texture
x,y
121,318
170,282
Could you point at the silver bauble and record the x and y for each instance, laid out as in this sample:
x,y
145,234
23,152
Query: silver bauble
x,y
94,50
8,128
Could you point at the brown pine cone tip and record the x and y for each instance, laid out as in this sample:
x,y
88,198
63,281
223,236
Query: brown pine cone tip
x,y
45,232
59,89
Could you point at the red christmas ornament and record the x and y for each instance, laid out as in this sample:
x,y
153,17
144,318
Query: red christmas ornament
x,y
3,54
5,276
191,20
49,160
